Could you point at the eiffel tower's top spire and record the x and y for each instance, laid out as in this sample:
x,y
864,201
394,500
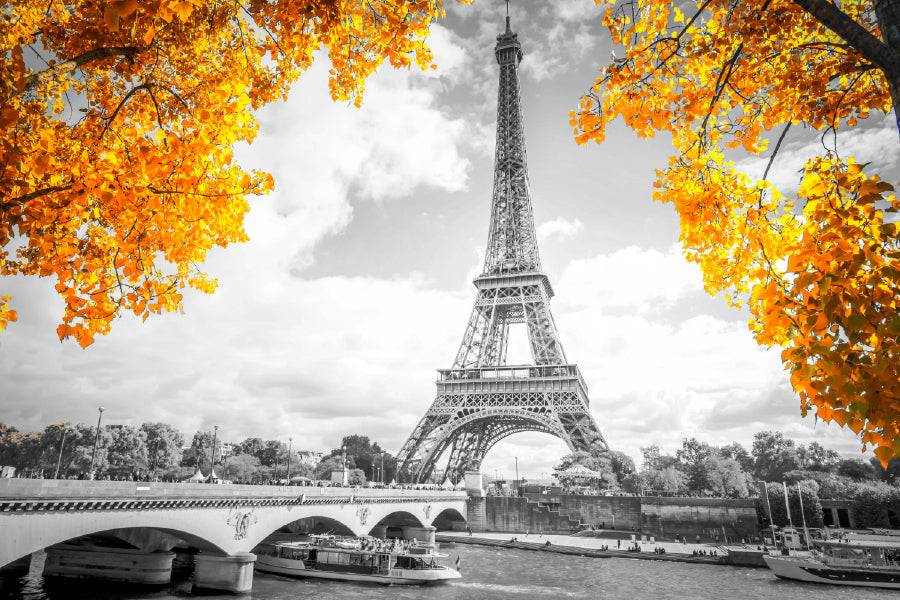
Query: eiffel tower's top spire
x,y
512,243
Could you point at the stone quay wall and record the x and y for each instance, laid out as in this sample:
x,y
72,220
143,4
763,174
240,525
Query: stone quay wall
x,y
661,518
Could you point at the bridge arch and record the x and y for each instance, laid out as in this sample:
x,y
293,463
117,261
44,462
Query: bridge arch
x,y
445,519
149,528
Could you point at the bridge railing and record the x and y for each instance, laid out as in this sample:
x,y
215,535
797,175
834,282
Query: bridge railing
x,y
24,489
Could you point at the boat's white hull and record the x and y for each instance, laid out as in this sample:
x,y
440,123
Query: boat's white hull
x,y
296,568
804,569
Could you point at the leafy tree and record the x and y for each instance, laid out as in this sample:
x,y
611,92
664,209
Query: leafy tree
x,y
774,455
7,446
274,453
725,477
621,465
117,169
356,477
127,452
872,503
200,452
244,468
819,272
660,472
328,464
856,469
164,444
739,453
815,457
363,454
694,458
252,446
76,456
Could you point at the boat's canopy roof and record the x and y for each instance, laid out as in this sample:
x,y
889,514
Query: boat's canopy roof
x,y
844,543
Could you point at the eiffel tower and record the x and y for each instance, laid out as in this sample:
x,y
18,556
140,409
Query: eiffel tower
x,y
481,399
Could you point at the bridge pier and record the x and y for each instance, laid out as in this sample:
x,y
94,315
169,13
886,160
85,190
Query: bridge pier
x,y
224,573
109,564
424,535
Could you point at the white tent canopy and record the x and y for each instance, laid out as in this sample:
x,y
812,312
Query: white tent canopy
x,y
196,477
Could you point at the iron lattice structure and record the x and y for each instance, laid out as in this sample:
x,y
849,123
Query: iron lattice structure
x,y
481,399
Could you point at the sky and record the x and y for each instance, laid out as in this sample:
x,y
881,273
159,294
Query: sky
x,y
356,283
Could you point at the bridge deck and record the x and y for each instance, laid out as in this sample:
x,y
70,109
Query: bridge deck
x,y
56,490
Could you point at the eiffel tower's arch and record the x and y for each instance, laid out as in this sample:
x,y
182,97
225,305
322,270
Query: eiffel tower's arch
x,y
482,400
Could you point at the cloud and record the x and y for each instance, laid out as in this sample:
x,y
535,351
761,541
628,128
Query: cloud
x,y
576,10
873,142
559,227
631,279
541,64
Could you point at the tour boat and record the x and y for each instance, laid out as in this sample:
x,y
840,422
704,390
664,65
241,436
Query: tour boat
x,y
355,559
868,563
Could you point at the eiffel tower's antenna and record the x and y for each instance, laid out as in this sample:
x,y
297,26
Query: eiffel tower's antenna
x,y
481,399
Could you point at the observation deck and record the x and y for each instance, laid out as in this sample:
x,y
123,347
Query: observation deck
x,y
512,379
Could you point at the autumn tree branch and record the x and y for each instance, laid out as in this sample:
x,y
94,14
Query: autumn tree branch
x,y
66,67
873,49
8,204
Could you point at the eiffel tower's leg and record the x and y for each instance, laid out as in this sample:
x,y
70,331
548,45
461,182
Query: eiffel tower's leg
x,y
480,339
545,346
411,458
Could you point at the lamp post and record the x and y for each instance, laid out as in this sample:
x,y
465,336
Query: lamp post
x,y
62,444
212,460
344,465
96,439
290,445
382,468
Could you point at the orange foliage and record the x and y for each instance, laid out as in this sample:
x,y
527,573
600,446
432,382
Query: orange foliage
x,y
820,272
116,170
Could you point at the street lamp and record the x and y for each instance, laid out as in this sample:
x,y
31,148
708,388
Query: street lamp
x,y
382,468
212,460
96,439
62,445
344,465
290,445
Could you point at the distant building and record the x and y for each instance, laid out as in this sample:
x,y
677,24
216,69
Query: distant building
x,y
309,458
226,449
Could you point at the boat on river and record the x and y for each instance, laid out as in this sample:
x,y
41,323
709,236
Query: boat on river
x,y
867,563
366,559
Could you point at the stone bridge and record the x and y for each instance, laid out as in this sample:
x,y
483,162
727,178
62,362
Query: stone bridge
x,y
222,523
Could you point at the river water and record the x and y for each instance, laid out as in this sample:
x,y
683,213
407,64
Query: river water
x,y
490,573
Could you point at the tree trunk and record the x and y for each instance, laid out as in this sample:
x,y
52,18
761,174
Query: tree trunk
x,y
888,14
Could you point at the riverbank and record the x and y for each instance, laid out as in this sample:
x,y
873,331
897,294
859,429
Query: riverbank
x,y
596,547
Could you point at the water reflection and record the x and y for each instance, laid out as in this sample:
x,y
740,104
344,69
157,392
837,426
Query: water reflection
x,y
488,574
